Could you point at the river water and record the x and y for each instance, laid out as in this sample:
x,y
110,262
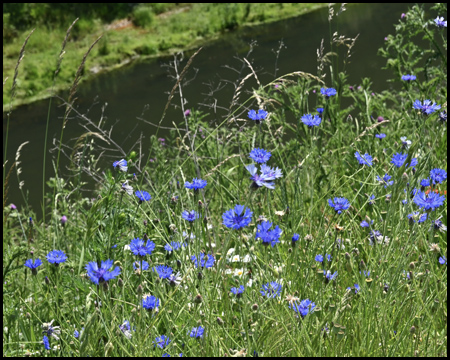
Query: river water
x,y
145,85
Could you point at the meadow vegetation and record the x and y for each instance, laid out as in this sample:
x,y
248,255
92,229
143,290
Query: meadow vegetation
x,y
249,235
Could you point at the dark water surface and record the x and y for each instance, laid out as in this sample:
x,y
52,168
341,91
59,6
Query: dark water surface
x,y
128,90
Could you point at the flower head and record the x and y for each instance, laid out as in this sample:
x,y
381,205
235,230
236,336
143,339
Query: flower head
x,y
303,308
271,289
339,204
443,116
204,262
127,188
238,217
295,237
408,77
196,184
427,107
174,245
438,225
190,215
442,260
238,291
163,271
385,180
329,276
261,115
150,303
122,164
438,176
139,248
365,159
63,220
266,235
126,329
311,120
380,136
328,92
56,257
142,196
260,156
197,332
398,159
162,341
425,183
46,343
100,275
33,266
320,110
377,236
440,22
430,201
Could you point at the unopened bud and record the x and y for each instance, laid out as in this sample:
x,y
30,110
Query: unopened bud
x,y
347,256
120,282
139,289
199,276
412,330
198,299
220,321
412,265
255,307
145,238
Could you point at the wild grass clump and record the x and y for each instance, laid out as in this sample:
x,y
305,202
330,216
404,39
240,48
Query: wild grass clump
x,y
250,234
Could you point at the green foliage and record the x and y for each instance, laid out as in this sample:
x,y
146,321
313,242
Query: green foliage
x,y
143,16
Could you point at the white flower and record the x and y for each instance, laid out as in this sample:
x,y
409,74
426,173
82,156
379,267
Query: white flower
x,y
247,258
230,251
235,258
239,272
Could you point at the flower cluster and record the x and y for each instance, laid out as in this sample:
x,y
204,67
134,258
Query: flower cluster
x,y
408,77
268,236
271,290
205,260
261,115
328,92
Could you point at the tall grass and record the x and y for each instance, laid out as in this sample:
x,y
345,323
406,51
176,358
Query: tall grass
x,y
387,253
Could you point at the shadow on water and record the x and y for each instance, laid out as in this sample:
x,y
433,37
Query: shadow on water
x,y
145,85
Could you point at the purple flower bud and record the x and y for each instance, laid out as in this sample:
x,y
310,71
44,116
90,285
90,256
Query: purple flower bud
x,y
351,88
380,119
187,112
403,16
13,207
63,220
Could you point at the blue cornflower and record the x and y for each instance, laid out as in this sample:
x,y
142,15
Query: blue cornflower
x,y
330,276
339,204
208,262
320,110
366,224
46,343
438,175
271,289
304,308
357,288
150,303
268,236
261,115
311,120
162,341
196,184
430,201
406,144
414,163
190,215
238,217
365,159
137,265
100,275
259,180
56,257
398,159
442,260
76,334
163,271
270,173
380,136
366,273
385,180
122,165
197,332
427,107
295,237
438,225
425,183
328,92
142,195
443,116
260,156
174,245
139,248
377,236
408,77
33,266
372,199
238,291
440,22
319,258
126,329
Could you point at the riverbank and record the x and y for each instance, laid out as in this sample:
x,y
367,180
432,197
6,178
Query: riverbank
x,y
184,27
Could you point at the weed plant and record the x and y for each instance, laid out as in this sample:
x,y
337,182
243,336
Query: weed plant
x,y
251,235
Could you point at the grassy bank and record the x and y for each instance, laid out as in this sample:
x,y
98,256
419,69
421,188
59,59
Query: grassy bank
x,y
145,32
